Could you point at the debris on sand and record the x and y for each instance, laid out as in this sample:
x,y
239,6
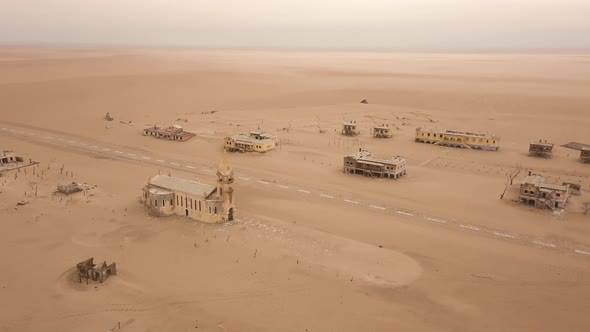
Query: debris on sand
x,y
108,117
22,202
182,119
209,112
364,101
71,188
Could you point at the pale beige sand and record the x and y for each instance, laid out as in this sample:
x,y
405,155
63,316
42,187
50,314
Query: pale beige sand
x,y
295,261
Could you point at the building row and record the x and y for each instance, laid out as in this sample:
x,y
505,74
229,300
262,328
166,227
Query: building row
x,y
381,131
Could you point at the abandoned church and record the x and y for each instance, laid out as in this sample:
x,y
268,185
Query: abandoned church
x,y
167,195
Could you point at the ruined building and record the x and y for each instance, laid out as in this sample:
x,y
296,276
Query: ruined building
x,y
167,195
255,141
173,133
541,149
89,271
534,191
382,131
350,129
458,139
585,155
362,162
7,157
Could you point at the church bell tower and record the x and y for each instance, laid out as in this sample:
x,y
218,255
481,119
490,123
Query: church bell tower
x,y
225,190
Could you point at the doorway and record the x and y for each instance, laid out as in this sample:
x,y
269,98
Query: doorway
x,y
186,212
230,214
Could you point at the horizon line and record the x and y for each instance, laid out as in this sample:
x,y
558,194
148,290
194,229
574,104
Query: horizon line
x,y
498,50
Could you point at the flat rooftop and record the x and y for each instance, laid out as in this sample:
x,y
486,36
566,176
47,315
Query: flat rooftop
x,y
577,146
366,158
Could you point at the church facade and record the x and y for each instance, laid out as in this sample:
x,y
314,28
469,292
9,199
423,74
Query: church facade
x,y
166,195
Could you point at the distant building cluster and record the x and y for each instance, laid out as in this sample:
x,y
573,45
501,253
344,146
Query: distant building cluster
x,y
173,133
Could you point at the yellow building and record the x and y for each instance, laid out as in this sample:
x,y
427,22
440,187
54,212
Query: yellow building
x,y
255,141
167,195
458,139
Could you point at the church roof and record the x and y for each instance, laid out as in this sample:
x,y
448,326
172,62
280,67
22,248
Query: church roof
x,y
183,185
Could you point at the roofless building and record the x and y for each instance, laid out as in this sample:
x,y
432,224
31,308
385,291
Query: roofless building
x,y
382,131
541,149
350,129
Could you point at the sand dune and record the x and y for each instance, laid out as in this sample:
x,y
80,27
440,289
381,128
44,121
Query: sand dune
x,y
314,249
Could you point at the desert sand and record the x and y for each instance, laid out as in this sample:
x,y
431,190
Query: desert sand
x,y
313,249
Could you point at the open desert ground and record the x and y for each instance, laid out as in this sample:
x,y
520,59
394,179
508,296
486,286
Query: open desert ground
x,y
312,249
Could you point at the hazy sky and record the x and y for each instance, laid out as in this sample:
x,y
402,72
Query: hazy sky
x,y
350,24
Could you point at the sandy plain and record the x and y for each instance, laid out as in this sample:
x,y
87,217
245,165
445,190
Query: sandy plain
x,y
314,249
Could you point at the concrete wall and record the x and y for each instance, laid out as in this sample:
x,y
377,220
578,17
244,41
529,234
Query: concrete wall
x,y
9,157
